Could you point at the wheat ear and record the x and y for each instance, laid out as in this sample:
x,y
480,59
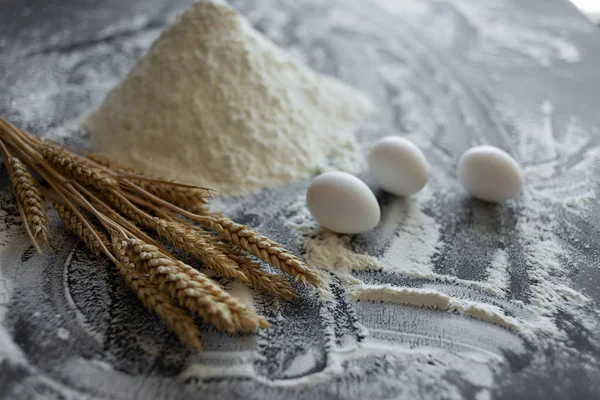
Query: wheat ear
x,y
256,276
73,223
261,247
168,276
188,238
193,289
31,201
155,300
128,210
260,279
77,168
196,242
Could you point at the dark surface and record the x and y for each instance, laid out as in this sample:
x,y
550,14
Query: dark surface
x,y
445,71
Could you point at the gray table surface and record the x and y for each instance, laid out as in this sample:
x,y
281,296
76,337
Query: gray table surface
x,y
464,83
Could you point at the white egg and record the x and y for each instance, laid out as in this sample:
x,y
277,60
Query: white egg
x,y
398,165
342,203
490,174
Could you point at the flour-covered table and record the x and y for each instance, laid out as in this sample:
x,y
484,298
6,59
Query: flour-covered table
x,y
512,289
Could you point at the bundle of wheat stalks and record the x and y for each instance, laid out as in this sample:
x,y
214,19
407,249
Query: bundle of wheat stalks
x,y
111,207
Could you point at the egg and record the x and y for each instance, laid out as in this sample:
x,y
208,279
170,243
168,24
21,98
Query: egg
x,y
342,203
398,165
490,174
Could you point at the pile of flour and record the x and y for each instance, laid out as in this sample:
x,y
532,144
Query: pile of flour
x,y
216,104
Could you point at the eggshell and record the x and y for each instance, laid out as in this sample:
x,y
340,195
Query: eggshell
x,y
398,165
490,174
342,203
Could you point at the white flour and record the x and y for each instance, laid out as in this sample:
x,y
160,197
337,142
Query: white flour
x,y
216,104
433,299
498,272
325,249
416,238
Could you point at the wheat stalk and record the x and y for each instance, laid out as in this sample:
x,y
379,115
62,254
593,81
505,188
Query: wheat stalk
x,y
188,238
127,209
30,200
130,226
77,168
155,300
75,224
79,186
188,197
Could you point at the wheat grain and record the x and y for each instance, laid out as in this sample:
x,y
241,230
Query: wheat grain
x,y
262,280
245,318
31,200
77,168
155,300
73,223
261,247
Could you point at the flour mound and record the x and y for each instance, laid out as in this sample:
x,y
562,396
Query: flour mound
x,y
216,104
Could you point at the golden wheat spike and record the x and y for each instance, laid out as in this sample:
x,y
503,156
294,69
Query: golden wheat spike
x,y
30,200
193,290
262,247
259,279
73,223
158,302
184,236
196,242
77,168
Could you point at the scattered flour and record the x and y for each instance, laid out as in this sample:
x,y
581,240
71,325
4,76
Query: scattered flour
x,y
498,272
216,104
433,299
498,31
63,334
328,250
416,239
324,249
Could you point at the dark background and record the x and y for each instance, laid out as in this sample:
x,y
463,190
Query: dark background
x,y
59,58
